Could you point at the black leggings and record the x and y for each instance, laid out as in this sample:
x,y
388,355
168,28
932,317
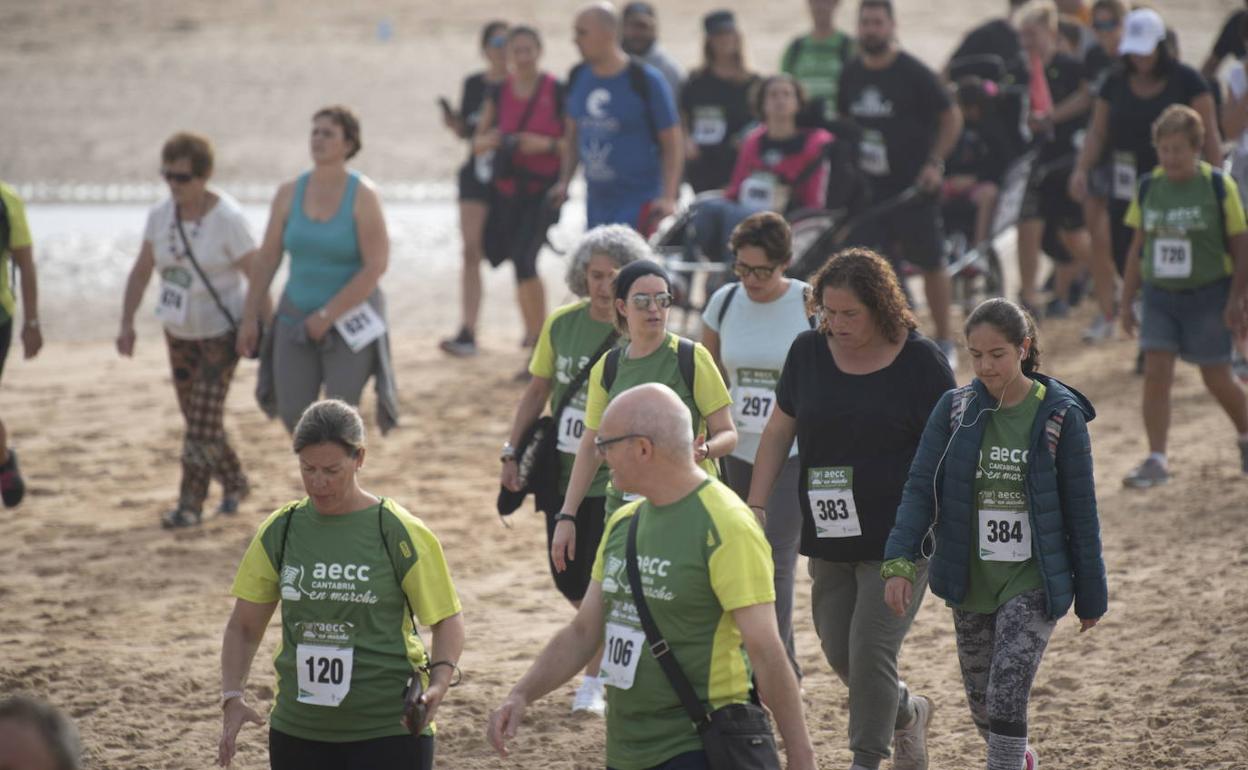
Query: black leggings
x,y
394,752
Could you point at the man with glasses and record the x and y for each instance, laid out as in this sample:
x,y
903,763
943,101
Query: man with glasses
x,y
622,125
707,576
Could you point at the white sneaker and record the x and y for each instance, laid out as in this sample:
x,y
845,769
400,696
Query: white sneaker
x,y
591,696
910,743
1101,330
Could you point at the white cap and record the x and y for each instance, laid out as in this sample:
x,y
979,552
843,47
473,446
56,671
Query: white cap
x,y
1143,31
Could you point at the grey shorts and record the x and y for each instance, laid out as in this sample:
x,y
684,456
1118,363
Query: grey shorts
x,y
1188,322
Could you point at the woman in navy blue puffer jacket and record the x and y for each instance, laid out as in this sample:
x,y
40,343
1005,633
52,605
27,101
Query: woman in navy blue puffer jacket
x,y
1001,498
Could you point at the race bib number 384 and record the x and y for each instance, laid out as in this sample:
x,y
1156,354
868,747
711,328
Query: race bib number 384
x,y
832,506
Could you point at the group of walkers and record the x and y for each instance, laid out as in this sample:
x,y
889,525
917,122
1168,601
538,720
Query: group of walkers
x,y
811,418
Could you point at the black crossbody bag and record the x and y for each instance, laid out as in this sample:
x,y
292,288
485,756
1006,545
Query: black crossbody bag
x,y
735,737
537,455
186,244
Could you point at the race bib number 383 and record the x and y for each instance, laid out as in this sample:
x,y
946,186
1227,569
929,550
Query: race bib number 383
x,y
832,506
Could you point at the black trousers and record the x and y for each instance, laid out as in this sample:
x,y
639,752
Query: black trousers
x,y
394,752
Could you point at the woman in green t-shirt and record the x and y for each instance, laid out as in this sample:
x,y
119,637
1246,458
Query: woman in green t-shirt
x,y
354,573
650,354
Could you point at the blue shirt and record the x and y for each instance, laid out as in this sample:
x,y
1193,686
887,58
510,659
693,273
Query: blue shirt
x,y
617,149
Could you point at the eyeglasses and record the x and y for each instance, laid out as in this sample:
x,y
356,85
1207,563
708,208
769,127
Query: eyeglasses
x,y
1105,25
498,41
643,301
761,273
179,177
602,444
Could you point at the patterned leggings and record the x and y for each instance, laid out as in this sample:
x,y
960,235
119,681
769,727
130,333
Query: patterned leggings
x,y
202,370
999,655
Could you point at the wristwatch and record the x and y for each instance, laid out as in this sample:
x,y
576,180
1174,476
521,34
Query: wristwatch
x,y
509,452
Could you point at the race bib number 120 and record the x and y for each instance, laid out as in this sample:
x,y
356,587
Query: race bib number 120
x,y
323,661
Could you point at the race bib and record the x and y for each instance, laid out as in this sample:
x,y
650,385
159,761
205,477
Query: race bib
x,y
1004,535
873,154
483,167
1172,258
174,297
1124,176
360,326
709,125
621,654
831,495
754,399
323,660
571,429
763,191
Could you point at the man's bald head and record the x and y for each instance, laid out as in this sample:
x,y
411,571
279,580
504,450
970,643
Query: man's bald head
x,y
656,412
597,30
600,13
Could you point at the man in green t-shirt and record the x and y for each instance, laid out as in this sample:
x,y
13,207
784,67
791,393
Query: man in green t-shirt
x,y
817,58
15,248
707,575
1190,254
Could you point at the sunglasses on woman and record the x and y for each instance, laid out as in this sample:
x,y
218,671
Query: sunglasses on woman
x,y
761,273
180,177
644,301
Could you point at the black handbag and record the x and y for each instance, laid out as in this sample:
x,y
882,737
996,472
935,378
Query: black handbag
x,y
735,737
537,453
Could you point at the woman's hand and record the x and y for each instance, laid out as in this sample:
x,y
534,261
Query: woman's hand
x,y
1126,317
700,449
898,592
248,339
511,476
32,340
1077,187
563,545
233,715
486,141
431,698
125,341
317,325
1086,623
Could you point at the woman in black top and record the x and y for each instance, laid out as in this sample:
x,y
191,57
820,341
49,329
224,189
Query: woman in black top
x,y
474,183
856,392
1130,99
715,104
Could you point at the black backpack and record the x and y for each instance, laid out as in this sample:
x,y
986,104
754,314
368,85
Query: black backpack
x,y
684,360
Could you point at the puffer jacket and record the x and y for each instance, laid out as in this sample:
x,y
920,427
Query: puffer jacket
x,y
1061,494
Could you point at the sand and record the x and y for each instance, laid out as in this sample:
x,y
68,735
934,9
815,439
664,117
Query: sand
x,y
119,622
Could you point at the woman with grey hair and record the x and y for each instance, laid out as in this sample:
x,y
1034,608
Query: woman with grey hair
x,y
571,341
354,573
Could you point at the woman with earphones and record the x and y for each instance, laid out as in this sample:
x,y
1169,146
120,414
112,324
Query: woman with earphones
x,y
856,392
1001,498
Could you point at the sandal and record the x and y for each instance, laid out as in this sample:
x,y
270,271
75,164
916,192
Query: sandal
x,y
180,517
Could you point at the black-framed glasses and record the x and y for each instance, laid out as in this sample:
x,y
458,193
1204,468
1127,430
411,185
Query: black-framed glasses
x,y
602,444
762,272
643,301
180,177
1105,25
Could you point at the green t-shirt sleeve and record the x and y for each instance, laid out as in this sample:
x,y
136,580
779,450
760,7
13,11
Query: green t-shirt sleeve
x,y
1132,219
741,567
19,229
427,581
543,362
1233,208
596,396
709,391
621,513
257,579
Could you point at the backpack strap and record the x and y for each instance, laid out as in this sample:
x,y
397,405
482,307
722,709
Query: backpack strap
x,y
685,361
791,54
1218,180
723,309
609,368
640,84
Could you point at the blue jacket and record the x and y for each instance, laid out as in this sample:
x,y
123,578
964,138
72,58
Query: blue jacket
x,y
1061,494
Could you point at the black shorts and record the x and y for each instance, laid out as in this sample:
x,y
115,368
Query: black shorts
x,y
1047,198
471,188
6,338
286,752
912,233
591,519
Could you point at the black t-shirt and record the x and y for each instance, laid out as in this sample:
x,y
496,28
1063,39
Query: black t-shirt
x,y
1131,118
898,109
471,100
996,38
1065,75
1097,65
717,114
870,423
980,152
1231,40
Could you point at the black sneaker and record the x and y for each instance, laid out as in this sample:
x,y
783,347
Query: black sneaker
x,y
12,487
462,345
180,518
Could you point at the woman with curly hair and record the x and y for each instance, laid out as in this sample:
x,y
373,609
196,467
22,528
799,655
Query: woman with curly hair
x,y
856,392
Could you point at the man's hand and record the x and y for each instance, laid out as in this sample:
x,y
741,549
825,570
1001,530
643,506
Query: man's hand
x,y
930,177
505,722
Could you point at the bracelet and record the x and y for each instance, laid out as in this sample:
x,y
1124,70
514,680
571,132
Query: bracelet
x,y
937,163
457,675
230,695
565,517
323,314
32,323
762,508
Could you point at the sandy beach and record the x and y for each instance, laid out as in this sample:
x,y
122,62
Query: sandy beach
x,y
120,623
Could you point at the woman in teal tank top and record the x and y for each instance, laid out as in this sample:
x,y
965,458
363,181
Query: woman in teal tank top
x,y
329,330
